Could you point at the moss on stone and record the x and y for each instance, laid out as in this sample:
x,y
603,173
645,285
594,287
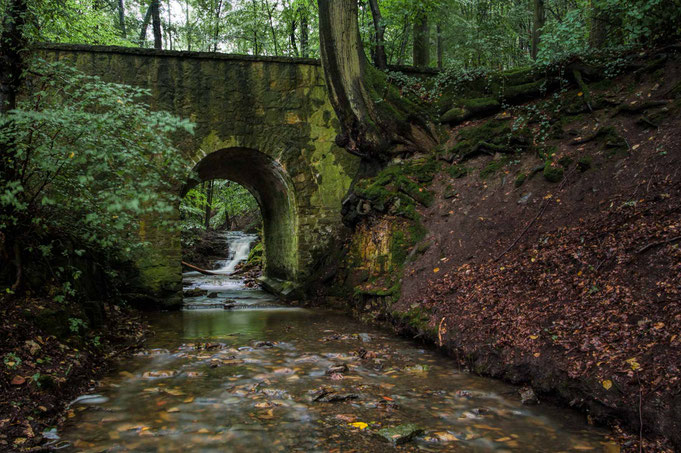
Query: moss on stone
x,y
584,163
553,172
458,171
520,179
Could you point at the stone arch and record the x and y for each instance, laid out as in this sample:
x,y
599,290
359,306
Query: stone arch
x,y
269,183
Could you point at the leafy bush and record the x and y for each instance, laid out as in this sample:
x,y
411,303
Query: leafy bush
x,y
86,162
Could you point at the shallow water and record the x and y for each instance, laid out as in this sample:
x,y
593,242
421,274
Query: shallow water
x,y
262,378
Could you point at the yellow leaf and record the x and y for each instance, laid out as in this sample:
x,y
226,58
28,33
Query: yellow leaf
x,y
607,384
635,147
71,155
436,270
534,337
537,354
580,94
548,196
360,425
633,363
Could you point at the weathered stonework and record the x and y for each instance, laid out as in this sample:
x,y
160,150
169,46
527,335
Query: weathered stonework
x,y
265,123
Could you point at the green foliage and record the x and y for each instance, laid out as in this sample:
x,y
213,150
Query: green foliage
x,y
229,199
11,360
87,162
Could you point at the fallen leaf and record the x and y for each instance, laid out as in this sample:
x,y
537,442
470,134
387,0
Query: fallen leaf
x,y
607,384
360,425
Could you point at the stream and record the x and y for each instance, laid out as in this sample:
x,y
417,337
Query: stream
x,y
264,377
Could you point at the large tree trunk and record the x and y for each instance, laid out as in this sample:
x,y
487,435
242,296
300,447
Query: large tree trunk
x,y
156,23
421,40
372,130
380,59
537,25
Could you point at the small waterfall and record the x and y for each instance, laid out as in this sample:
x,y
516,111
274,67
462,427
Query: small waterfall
x,y
239,246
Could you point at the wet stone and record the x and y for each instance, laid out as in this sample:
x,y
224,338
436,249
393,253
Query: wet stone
x,y
528,397
195,292
401,434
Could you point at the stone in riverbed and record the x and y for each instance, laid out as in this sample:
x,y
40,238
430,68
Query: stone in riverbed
x,y
195,292
213,295
528,397
401,434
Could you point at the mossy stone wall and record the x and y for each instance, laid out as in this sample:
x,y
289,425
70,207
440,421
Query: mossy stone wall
x,y
265,122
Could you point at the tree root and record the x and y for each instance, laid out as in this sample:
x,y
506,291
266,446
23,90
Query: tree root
x,y
636,108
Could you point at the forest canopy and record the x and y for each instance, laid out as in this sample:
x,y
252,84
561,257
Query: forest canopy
x,y
441,33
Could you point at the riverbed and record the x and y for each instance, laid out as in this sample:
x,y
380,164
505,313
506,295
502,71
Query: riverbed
x,y
241,372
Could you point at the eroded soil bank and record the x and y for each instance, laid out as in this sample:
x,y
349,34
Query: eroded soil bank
x,y
542,245
51,353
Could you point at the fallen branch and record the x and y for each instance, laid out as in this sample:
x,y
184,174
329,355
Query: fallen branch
x,y
656,244
198,269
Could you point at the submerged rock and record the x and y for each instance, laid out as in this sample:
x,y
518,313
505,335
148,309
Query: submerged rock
x,y
213,295
401,434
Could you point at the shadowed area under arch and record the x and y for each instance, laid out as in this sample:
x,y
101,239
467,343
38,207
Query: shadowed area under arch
x,y
271,187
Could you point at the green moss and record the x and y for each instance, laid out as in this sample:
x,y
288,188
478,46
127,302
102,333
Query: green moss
x,y
520,179
457,171
492,167
552,172
565,161
584,163
524,91
401,186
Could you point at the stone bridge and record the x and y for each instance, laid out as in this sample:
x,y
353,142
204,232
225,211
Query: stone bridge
x,y
263,122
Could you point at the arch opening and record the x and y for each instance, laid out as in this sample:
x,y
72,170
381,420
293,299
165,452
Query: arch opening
x,y
269,184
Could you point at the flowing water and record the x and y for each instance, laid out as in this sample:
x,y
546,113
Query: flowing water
x,y
262,377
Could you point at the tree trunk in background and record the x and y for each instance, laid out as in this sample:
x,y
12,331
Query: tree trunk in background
x,y
599,25
186,26
145,24
209,204
370,130
216,35
304,34
156,24
272,30
380,59
421,40
121,18
537,25
168,31
403,44
440,48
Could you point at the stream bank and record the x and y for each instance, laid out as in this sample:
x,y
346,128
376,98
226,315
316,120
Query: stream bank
x,y
51,353
551,262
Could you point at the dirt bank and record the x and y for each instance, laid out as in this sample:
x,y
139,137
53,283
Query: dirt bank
x,y
52,353
555,265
